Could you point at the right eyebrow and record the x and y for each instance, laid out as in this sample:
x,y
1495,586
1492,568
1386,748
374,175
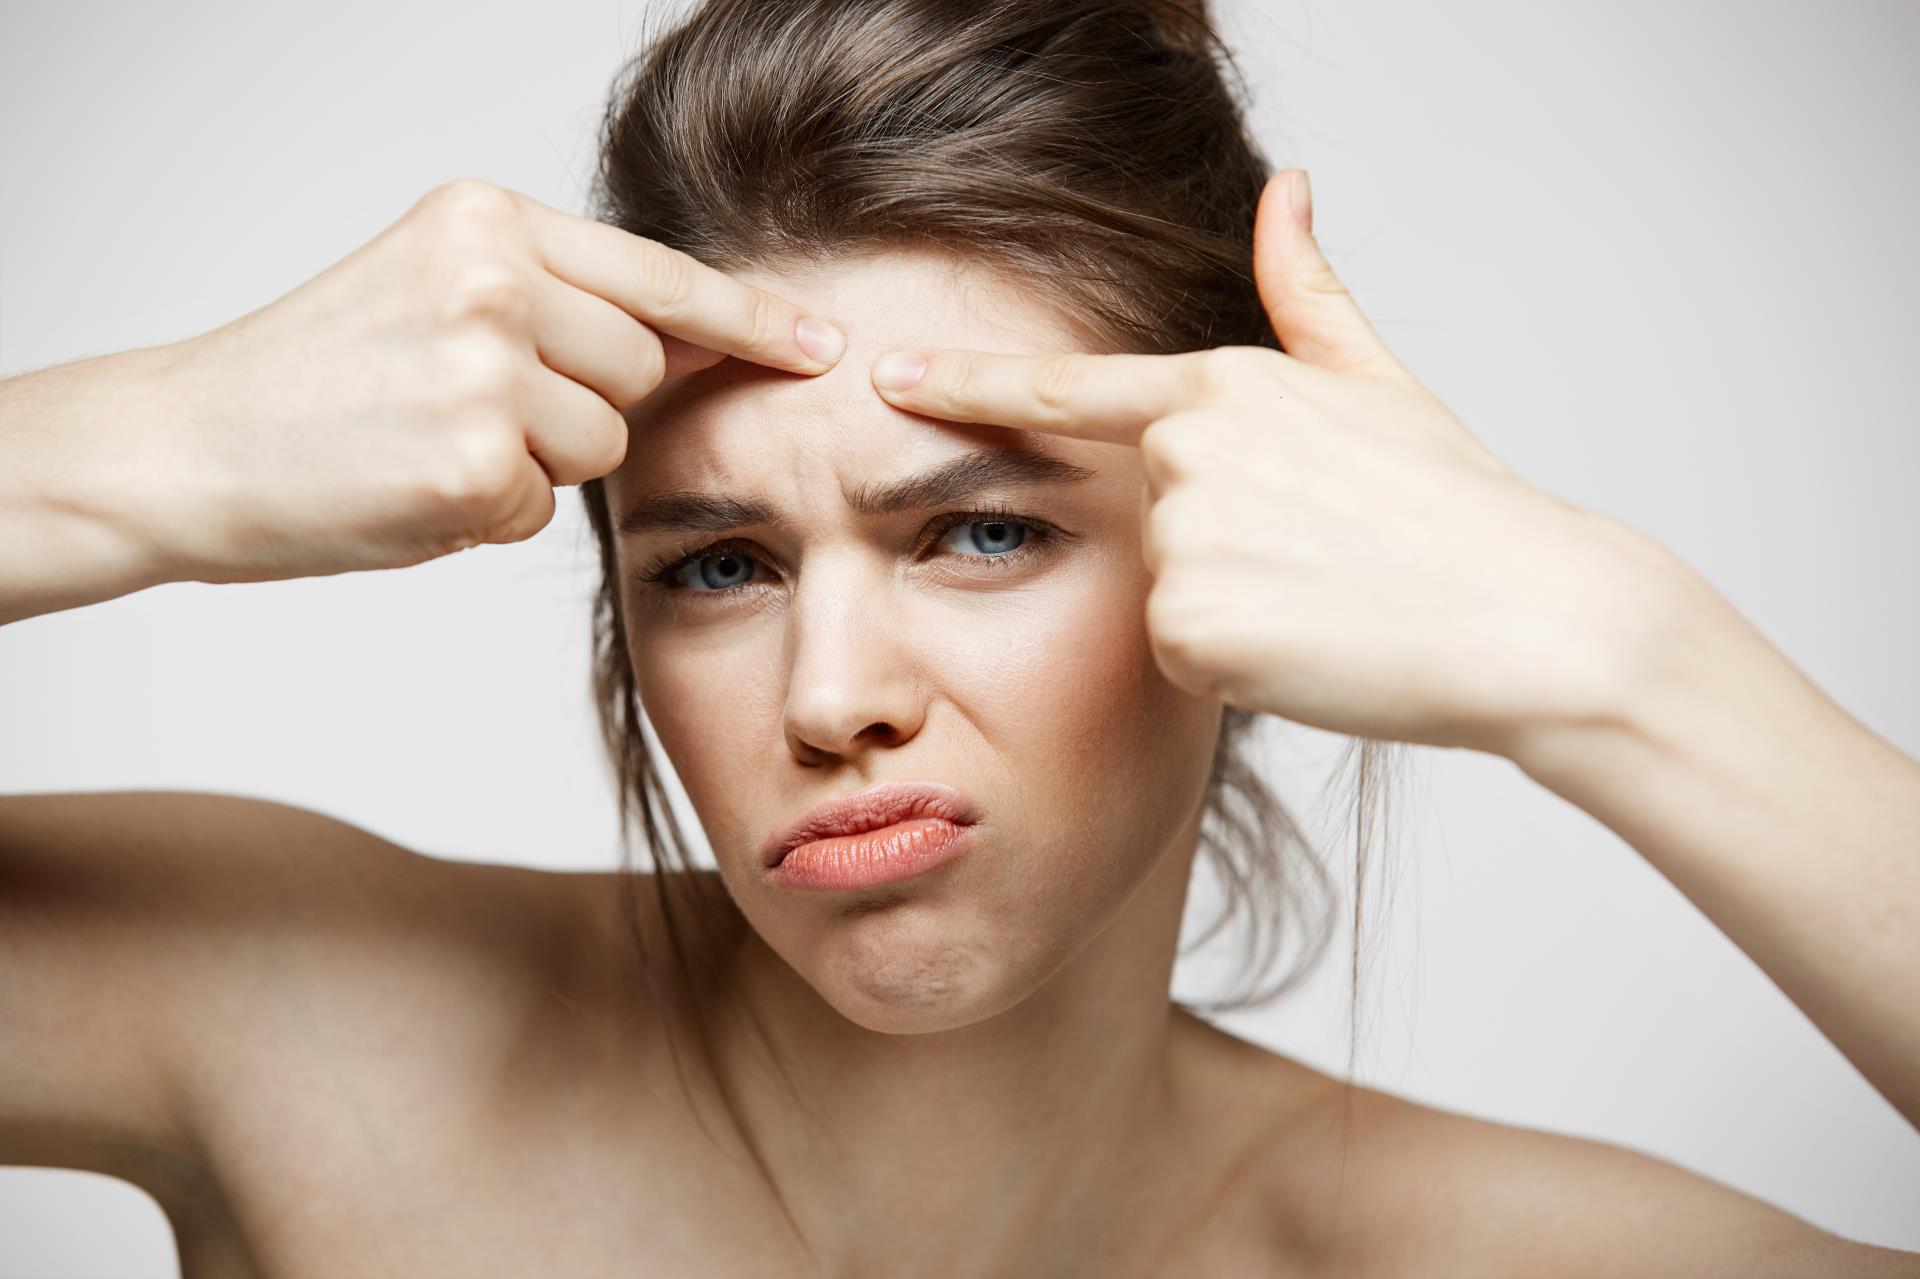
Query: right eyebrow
x,y
689,510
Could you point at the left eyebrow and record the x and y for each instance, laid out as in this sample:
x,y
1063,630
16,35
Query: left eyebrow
x,y
958,477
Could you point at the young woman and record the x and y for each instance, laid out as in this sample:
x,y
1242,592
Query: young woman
x,y
1050,454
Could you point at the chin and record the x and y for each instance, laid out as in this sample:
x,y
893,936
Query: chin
x,y
906,967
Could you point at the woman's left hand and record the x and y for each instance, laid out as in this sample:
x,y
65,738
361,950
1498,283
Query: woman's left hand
x,y
1329,543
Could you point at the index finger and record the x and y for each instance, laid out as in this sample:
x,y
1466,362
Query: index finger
x,y
678,294
1111,398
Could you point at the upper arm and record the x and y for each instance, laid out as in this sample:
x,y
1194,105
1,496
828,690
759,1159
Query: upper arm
x,y
136,931
1543,1203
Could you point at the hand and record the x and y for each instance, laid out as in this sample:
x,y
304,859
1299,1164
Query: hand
x,y
427,392
1329,543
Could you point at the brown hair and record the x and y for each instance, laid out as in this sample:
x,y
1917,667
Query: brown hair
x,y
1093,151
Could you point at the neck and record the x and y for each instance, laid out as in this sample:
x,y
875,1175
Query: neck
x,y
1016,1138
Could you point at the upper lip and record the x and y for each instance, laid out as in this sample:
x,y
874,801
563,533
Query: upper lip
x,y
878,805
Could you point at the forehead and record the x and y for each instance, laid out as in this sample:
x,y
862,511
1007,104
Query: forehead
x,y
739,425
905,298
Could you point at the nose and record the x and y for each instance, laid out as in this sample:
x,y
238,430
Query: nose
x,y
851,684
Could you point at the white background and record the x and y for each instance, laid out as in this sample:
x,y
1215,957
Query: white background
x,y
1660,257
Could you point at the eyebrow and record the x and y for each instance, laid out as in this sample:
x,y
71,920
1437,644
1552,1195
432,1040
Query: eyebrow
x,y
956,478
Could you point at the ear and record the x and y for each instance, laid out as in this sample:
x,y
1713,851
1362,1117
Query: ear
x,y
1313,315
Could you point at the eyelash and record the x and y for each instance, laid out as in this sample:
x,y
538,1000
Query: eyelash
x,y
660,574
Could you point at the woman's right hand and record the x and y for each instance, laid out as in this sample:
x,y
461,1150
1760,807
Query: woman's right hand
x,y
426,393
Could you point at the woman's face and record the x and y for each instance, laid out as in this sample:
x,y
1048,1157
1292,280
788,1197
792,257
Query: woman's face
x,y
822,651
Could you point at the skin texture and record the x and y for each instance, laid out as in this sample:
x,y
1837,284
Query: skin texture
x,y
944,1028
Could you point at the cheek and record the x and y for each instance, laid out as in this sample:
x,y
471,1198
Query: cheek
x,y
712,701
1107,756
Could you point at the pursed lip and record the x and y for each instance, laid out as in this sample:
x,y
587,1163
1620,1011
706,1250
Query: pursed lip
x,y
881,804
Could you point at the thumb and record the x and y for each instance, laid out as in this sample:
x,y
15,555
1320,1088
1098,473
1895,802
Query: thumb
x,y
1313,314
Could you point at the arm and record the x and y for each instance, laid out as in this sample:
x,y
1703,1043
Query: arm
x,y
71,462
1790,824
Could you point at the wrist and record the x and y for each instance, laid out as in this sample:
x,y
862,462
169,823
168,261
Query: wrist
x,y
71,489
1689,684
121,483
153,496
1669,648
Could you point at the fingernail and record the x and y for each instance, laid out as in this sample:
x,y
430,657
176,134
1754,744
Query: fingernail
x,y
1300,198
898,370
819,339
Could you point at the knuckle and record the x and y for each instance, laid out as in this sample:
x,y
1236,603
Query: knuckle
x,y
1056,381
481,369
961,378
1166,448
475,201
666,279
532,514
764,318
1319,278
1226,369
488,290
1173,619
480,466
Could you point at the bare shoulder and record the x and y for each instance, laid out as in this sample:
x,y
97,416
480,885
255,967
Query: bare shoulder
x,y
1362,1181
182,962
1548,1203
328,936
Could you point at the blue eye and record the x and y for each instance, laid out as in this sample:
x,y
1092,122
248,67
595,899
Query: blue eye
x,y
988,538
994,538
717,570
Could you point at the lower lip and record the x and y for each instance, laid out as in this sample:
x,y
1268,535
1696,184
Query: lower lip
x,y
873,857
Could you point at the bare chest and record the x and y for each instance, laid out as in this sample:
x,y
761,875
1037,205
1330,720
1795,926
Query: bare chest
x,y
376,1177
380,1184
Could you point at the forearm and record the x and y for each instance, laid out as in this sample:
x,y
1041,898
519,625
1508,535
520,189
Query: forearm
x,y
1790,824
76,485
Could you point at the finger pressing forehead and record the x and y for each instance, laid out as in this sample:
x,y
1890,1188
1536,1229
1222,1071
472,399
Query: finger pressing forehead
x,y
675,293
1111,398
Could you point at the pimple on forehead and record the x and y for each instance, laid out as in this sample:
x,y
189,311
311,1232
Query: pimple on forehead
x,y
890,300
883,303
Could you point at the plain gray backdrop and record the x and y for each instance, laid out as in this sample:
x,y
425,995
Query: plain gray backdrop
x,y
1659,256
